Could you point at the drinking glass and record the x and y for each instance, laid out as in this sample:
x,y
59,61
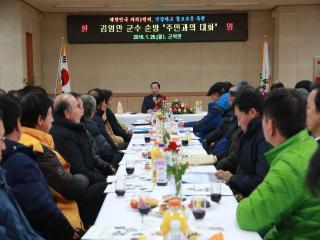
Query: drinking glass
x,y
180,123
215,192
199,208
144,205
120,189
147,138
129,167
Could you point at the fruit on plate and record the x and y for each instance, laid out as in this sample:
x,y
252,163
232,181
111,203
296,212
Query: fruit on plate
x,y
218,236
141,237
163,207
204,204
193,236
153,202
166,198
134,203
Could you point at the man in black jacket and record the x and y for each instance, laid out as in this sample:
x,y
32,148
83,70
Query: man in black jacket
x,y
76,145
149,102
105,149
252,165
72,140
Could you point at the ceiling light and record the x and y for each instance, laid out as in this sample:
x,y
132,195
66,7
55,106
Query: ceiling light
x,y
79,5
114,5
237,4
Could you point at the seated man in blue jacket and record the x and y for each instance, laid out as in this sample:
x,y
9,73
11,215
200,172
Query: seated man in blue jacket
x,y
253,166
13,224
218,141
27,182
219,104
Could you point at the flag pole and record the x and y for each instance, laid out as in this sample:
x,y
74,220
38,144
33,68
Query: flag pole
x,y
265,80
66,49
263,53
58,70
269,78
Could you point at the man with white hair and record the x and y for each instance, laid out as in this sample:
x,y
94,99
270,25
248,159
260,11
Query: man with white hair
x,y
71,139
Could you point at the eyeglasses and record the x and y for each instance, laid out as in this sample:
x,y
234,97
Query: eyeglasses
x,y
232,93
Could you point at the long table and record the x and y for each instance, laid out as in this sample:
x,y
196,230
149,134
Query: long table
x,y
128,119
117,213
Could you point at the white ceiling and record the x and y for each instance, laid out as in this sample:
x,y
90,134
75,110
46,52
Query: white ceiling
x,y
72,6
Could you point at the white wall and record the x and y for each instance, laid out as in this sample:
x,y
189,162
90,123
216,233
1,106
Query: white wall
x,y
297,36
11,70
15,19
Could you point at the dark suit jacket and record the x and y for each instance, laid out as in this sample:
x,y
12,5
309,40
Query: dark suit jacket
x,y
148,103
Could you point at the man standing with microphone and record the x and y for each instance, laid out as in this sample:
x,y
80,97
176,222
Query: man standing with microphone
x,y
149,102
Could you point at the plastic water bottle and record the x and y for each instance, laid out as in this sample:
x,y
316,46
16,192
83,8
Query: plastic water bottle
x,y
162,179
200,106
119,108
156,153
175,231
197,106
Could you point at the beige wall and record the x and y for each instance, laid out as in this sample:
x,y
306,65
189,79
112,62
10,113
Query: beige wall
x,y
297,41
16,18
133,102
179,67
11,70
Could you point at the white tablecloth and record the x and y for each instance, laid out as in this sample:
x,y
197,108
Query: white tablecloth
x,y
128,118
116,211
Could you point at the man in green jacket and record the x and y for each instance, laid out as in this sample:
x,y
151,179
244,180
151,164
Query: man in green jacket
x,y
281,207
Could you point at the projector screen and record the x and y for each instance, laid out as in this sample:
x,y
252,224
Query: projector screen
x,y
156,28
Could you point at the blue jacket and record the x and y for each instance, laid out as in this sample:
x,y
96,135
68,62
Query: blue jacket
x,y
213,118
221,136
253,166
32,192
226,128
13,224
